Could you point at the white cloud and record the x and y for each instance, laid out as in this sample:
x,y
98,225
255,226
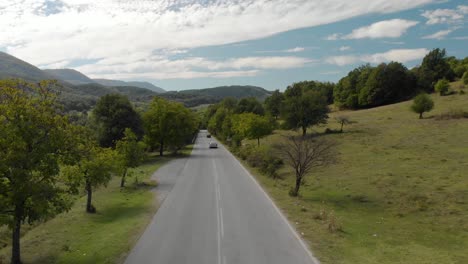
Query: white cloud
x,y
196,67
334,36
393,28
342,60
439,34
45,33
400,55
296,49
461,38
446,16
344,48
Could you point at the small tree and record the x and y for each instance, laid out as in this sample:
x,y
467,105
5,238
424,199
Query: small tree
x,y
422,103
343,120
94,169
442,87
304,154
131,153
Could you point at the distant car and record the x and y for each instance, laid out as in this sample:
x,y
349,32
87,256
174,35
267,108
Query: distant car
x,y
208,135
213,144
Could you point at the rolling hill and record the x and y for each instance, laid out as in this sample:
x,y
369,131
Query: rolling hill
x,y
80,93
69,75
193,98
116,83
12,67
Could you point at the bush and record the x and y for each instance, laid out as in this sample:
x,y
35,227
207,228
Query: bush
x,y
442,87
261,158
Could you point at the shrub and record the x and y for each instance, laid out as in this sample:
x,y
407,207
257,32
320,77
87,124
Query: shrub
x,y
442,87
422,103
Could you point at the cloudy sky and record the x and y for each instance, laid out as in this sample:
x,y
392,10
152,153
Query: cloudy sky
x,y
185,44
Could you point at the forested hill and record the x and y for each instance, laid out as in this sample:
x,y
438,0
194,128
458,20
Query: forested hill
x,y
69,75
191,98
145,85
12,67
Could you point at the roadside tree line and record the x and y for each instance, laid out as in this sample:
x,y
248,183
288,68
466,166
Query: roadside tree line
x,y
47,157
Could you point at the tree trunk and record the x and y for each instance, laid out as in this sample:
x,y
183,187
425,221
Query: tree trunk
x,y
258,141
161,148
298,185
122,181
420,115
304,131
89,205
341,130
15,249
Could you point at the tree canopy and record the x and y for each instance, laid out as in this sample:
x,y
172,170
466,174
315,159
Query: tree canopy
x,y
303,108
422,103
35,140
113,114
168,124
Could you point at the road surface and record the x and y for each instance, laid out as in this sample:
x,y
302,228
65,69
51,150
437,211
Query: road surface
x,y
214,212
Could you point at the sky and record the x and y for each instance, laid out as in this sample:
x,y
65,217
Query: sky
x,y
191,44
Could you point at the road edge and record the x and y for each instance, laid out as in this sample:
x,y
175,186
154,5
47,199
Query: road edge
x,y
278,210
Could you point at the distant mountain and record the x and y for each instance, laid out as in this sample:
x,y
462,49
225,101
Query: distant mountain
x,y
192,98
145,85
12,67
77,91
69,75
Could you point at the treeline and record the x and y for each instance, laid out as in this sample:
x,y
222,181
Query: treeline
x,y
48,157
369,86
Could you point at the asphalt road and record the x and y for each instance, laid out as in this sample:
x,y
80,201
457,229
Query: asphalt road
x,y
214,212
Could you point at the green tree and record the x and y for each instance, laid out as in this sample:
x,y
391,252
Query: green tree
x,y
34,140
168,123
422,103
387,83
131,153
252,126
273,103
303,108
434,67
249,105
113,114
442,87
465,78
94,169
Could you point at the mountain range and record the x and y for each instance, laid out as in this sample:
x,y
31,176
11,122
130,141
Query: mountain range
x,y
79,92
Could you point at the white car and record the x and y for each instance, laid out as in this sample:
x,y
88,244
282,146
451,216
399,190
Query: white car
x,y
213,144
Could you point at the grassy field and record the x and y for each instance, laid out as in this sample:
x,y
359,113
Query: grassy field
x,y
399,190
104,237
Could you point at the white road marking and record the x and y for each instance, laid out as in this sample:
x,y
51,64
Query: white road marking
x,y
220,231
222,225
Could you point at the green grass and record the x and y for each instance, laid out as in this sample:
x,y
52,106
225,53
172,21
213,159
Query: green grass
x,y
104,237
399,189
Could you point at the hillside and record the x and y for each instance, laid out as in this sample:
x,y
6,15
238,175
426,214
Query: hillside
x,y
77,91
399,189
116,83
12,67
194,98
69,75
